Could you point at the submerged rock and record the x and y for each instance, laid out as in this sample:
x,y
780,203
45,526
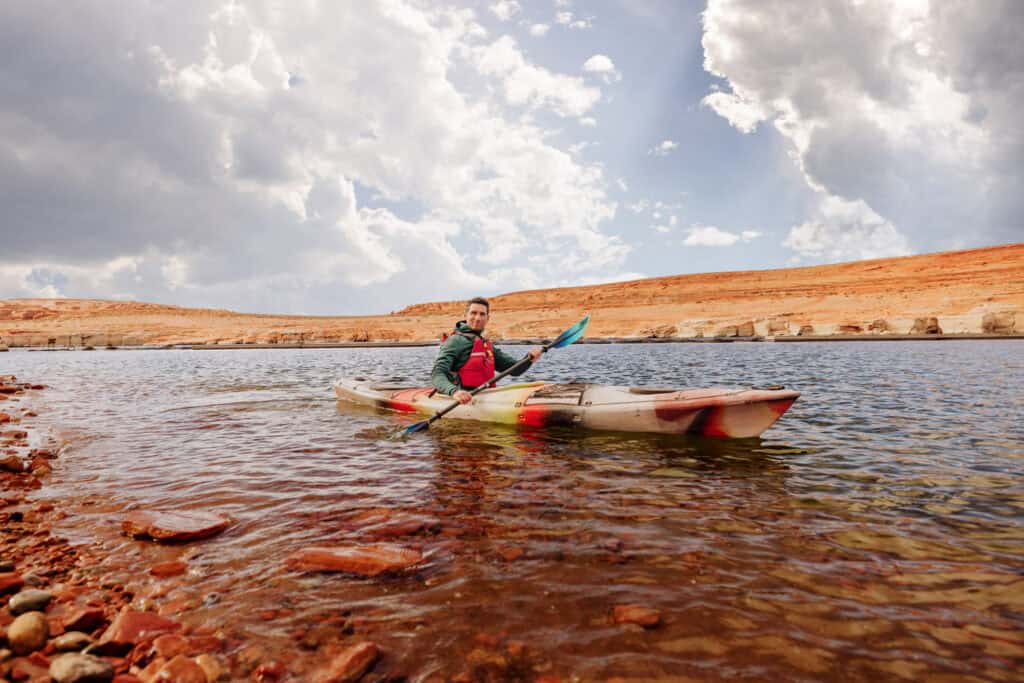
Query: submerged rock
x,y
72,641
350,664
366,560
174,526
636,614
131,627
181,669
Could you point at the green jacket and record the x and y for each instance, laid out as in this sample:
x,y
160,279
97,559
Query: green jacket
x,y
453,355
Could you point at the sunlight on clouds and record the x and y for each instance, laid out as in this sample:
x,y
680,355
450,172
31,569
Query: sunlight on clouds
x,y
663,148
711,236
505,9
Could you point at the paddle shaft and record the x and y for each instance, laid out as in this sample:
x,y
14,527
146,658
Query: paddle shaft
x,y
455,404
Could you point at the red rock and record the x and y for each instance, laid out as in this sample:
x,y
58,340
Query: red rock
x,y
510,553
388,524
85,619
271,671
15,434
10,582
366,560
164,569
350,664
181,669
516,647
9,389
174,526
636,614
47,453
131,627
126,678
24,669
37,387
170,645
12,463
4,417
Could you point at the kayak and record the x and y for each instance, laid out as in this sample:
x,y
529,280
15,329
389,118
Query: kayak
x,y
737,413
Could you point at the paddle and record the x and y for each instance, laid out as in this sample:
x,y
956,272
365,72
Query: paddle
x,y
568,337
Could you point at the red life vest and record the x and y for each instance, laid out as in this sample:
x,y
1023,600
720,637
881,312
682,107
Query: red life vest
x,y
479,369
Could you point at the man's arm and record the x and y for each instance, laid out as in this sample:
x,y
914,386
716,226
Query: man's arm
x,y
503,361
447,359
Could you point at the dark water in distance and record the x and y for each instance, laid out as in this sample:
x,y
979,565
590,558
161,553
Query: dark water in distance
x,y
875,533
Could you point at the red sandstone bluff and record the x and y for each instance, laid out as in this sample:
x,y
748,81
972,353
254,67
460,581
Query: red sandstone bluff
x,y
964,292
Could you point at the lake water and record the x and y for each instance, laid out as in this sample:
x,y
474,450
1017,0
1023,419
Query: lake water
x,y
875,533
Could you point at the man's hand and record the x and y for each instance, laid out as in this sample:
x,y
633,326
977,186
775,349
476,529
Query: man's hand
x,y
462,396
536,353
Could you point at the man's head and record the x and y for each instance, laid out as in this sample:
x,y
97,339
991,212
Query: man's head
x,y
477,312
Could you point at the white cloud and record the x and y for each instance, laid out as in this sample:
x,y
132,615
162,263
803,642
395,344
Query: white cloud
x,y
622,184
539,30
526,84
588,121
845,230
663,148
602,65
868,94
569,20
563,18
711,236
505,9
664,229
281,163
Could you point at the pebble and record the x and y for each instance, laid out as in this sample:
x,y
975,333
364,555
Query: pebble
x,y
174,526
366,560
28,633
181,669
31,600
12,463
350,664
6,566
211,667
636,614
77,668
72,641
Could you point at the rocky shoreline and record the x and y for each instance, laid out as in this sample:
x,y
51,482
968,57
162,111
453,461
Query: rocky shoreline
x,y
68,620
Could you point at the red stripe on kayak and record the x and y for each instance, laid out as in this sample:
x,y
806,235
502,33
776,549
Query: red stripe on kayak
x,y
534,415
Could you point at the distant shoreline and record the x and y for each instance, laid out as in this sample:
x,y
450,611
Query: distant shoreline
x,y
529,342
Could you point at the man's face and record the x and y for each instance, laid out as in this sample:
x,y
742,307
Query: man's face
x,y
476,317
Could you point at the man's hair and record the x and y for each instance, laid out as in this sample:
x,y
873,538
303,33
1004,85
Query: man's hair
x,y
479,300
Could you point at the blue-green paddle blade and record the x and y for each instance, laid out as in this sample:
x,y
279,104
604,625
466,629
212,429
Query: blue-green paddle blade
x,y
571,335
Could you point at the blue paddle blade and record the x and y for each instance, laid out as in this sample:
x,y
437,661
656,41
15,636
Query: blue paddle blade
x,y
571,335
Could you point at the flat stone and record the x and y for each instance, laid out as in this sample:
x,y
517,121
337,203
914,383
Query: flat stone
x,y
85,619
636,614
165,569
130,628
31,600
174,526
10,582
12,463
170,645
78,668
350,664
181,669
369,559
72,641
28,633
211,667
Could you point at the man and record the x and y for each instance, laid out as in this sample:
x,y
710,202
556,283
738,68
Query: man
x,y
467,360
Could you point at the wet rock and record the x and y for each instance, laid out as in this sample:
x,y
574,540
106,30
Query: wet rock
x,y
9,389
130,628
269,671
174,526
10,582
510,553
85,619
388,524
926,326
28,633
999,323
32,600
72,641
369,559
126,678
636,614
211,667
350,664
78,668
6,566
170,645
181,669
12,463
4,418
29,669
165,569
19,434
47,453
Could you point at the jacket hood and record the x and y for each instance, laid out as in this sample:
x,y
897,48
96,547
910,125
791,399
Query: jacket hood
x,y
463,326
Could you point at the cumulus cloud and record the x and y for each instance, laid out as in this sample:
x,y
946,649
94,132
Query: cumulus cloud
x,y
603,66
505,9
711,236
903,116
243,157
529,85
663,148
568,19
539,30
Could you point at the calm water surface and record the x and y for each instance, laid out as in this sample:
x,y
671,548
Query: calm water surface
x,y
875,533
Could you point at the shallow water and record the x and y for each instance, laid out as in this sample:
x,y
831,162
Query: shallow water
x,y
876,532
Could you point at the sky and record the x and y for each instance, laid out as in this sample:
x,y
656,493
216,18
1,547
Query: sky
x,y
334,158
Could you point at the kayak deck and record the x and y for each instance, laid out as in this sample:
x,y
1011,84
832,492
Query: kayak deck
x,y
736,413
